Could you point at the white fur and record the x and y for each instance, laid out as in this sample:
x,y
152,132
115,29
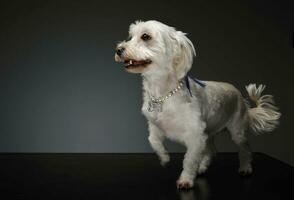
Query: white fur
x,y
264,117
192,120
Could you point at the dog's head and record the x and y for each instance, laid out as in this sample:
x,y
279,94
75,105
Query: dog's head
x,y
153,47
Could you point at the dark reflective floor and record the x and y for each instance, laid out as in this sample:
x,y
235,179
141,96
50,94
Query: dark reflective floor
x,y
136,176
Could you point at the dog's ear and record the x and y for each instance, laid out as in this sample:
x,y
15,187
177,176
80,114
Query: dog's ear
x,y
184,52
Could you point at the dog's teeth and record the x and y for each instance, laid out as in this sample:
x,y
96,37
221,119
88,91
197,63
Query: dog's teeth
x,y
131,62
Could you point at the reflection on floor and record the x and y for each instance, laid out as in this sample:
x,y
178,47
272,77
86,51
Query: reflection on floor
x,y
137,176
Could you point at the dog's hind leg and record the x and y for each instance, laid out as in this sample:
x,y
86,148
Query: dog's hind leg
x,y
245,155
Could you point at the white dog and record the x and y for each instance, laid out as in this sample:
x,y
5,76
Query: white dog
x,y
184,109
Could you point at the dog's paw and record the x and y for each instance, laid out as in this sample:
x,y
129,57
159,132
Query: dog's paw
x,y
245,170
184,184
164,160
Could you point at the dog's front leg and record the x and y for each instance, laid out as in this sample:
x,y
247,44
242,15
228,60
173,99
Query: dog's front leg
x,y
195,147
156,140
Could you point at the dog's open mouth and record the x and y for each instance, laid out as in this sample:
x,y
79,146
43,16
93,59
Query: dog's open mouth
x,y
135,63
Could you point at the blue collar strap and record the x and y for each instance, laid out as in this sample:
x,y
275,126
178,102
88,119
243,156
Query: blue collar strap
x,y
186,81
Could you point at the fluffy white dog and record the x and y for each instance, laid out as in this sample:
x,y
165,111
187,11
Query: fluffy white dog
x,y
185,109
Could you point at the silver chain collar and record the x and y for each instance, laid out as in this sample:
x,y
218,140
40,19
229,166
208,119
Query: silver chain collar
x,y
155,104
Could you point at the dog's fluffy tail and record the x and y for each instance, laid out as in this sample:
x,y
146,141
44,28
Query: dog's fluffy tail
x,y
265,116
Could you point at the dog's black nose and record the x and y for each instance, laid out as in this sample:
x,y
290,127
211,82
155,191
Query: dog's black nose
x,y
120,50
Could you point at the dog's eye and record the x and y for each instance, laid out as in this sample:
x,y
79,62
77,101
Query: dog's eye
x,y
145,37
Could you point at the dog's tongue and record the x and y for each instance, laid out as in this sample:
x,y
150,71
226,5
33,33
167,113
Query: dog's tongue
x,y
139,62
135,62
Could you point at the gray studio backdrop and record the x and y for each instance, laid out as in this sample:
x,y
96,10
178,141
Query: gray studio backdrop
x,y
61,91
